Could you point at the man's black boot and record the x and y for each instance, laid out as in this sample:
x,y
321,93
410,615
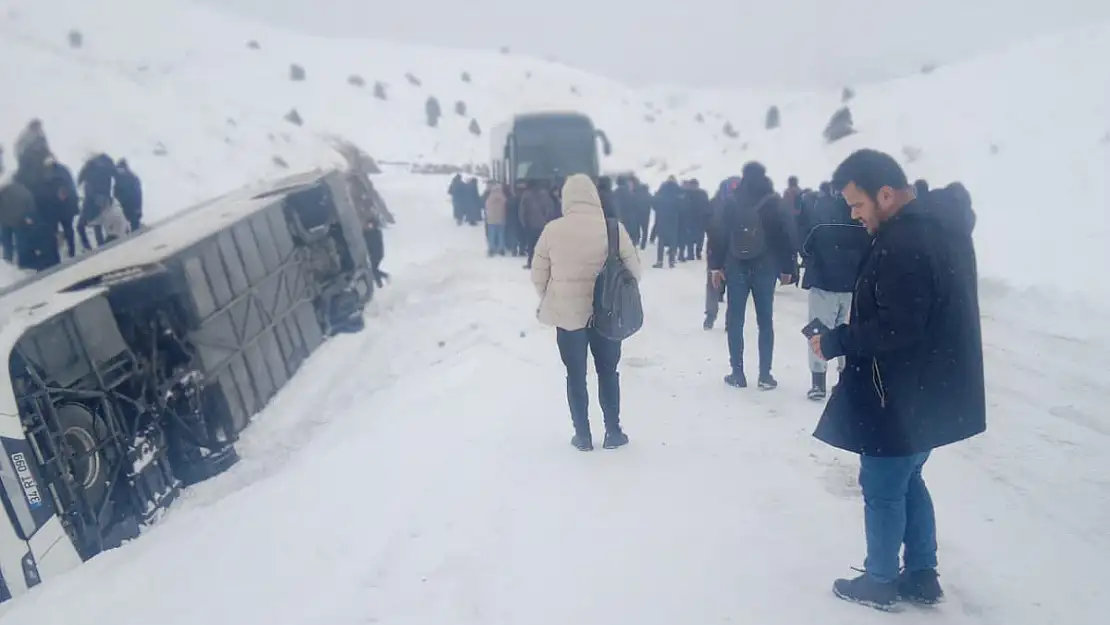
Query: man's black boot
x,y
921,587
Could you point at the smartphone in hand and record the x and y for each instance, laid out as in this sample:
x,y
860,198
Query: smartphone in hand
x,y
814,328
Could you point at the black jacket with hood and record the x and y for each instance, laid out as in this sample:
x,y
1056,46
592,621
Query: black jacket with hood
x,y
913,379
668,204
833,246
754,187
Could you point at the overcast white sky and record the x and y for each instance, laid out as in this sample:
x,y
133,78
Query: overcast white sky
x,y
792,43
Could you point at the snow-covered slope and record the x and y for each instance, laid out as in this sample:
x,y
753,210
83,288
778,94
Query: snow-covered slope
x,y
1027,129
183,75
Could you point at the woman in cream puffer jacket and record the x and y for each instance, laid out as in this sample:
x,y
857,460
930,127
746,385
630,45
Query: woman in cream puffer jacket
x,y
569,255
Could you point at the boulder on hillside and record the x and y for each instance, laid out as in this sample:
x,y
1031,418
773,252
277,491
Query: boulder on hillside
x,y
379,91
76,39
432,111
729,131
699,118
466,77
840,125
413,80
293,117
474,128
296,73
356,81
911,153
773,118
254,45
460,108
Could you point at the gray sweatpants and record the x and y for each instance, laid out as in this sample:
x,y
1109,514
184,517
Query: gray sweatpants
x,y
832,309
712,297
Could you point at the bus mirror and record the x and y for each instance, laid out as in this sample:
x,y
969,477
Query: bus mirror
x,y
606,147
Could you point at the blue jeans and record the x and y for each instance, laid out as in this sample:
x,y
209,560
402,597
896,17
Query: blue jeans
x,y
758,278
495,237
897,511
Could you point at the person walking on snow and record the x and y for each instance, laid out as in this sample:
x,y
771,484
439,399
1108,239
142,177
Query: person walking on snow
x,y
31,145
537,207
568,257
913,380
750,249
668,207
496,209
833,248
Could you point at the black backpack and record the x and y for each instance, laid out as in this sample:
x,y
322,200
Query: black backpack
x,y
618,310
747,237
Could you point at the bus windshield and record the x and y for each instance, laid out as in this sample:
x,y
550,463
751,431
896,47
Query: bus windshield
x,y
555,148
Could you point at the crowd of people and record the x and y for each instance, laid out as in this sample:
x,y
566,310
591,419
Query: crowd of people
x,y
44,209
893,296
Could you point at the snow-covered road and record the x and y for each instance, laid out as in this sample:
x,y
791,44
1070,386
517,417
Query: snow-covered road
x,y
420,473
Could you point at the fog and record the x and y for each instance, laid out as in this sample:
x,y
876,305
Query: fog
x,y
783,43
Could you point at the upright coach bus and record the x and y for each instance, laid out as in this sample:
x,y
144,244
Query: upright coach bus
x,y
546,146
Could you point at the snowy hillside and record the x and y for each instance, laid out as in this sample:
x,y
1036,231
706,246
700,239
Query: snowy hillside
x,y
184,76
176,88
1027,129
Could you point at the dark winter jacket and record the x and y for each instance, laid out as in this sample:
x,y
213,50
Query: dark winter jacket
x,y
129,193
913,379
791,212
17,205
56,199
668,204
608,203
537,207
625,201
701,210
643,203
97,175
748,194
32,238
834,246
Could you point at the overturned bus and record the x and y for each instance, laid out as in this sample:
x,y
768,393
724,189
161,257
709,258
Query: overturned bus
x,y
131,371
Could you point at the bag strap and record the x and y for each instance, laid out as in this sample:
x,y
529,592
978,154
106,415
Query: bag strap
x,y
614,243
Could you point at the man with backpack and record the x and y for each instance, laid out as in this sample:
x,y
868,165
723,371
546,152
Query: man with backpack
x,y
750,249
833,248
569,257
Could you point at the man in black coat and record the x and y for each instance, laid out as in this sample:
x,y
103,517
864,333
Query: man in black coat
x,y
643,212
913,379
667,203
96,177
701,211
833,246
129,193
